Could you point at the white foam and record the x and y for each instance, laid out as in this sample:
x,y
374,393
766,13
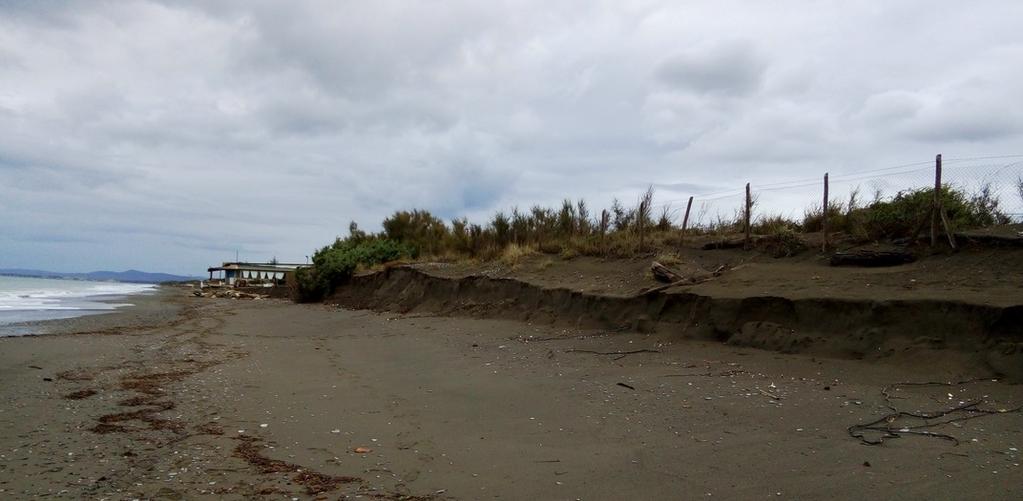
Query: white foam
x,y
27,294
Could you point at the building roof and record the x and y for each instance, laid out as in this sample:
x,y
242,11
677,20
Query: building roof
x,y
258,266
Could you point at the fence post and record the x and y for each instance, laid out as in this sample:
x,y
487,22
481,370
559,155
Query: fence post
x,y
824,214
749,207
605,219
640,217
936,206
685,222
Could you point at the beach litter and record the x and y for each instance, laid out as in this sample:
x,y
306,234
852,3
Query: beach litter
x,y
885,427
229,293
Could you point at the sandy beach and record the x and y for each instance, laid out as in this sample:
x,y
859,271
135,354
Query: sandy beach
x,y
203,398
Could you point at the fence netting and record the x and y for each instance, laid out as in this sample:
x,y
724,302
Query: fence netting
x,y
997,180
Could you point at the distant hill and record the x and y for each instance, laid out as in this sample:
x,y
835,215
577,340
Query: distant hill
x,y
132,276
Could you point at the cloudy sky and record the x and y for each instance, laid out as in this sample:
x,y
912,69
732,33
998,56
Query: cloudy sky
x,y
165,136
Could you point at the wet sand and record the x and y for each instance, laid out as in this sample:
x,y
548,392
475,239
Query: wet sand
x,y
242,399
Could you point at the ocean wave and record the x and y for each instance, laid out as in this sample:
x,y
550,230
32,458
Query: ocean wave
x,y
46,294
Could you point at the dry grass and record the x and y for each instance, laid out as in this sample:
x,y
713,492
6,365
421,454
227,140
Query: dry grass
x,y
669,258
514,253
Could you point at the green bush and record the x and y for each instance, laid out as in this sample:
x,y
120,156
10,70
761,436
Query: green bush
x,y
419,229
908,211
334,265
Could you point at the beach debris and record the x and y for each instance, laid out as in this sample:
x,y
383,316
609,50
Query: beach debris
x,y
674,279
730,372
80,394
664,274
621,354
314,482
872,258
229,294
362,450
623,385
889,426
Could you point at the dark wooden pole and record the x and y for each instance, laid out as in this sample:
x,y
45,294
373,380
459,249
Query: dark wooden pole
x,y
685,221
605,219
936,206
824,213
749,208
640,217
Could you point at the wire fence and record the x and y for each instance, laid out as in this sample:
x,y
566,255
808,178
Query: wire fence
x,y
1000,179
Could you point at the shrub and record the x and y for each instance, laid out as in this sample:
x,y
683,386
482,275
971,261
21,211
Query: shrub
x,y
335,264
813,218
784,242
907,212
770,225
419,229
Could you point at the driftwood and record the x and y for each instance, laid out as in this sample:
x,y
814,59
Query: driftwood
x,y
889,426
992,239
867,258
737,243
664,274
690,280
620,354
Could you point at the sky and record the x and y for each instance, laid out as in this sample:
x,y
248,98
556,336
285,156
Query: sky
x,y
167,136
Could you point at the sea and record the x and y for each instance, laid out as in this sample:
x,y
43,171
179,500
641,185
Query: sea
x,y
25,299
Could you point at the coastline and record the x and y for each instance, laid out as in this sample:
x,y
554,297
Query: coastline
x,y
148,309
221,398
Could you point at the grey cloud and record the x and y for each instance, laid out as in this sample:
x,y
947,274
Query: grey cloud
x,y
168,134
691,188
966,124
890,106
732,68
973,109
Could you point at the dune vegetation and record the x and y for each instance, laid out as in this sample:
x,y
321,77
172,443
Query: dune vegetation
x,y
574,229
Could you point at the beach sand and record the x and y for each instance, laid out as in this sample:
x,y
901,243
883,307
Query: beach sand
x,y
186,398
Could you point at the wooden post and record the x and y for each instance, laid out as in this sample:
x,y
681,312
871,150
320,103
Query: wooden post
x,y
605,219
936,205
749,208
824,213
948,230
639,220
685,222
